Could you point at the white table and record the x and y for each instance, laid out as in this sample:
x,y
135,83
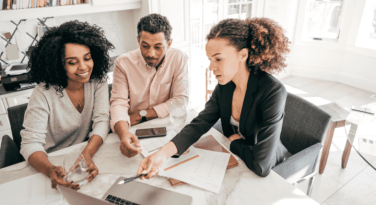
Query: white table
x,y
240,185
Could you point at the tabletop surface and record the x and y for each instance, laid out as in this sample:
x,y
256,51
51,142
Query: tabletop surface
x,y
240,185
337,112
361,133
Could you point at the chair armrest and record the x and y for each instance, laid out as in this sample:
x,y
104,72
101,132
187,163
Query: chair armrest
x,y
300,164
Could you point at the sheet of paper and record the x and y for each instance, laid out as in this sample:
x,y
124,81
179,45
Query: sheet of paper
x,y
207,171
150,146
35,189
12,52
188,155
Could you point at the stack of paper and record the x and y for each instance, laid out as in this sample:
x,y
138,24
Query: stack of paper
x,y
205,171
152,145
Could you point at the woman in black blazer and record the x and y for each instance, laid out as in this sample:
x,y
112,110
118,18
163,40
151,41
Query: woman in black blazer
x,y
249,101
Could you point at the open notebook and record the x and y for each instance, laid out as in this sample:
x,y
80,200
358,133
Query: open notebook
x,y
209,143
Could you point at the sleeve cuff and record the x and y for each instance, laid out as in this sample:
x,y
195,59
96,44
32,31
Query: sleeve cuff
x,y
161,110
236,146
113,122
101,129
29,149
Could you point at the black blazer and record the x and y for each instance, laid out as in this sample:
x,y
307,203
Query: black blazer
x,y
260,122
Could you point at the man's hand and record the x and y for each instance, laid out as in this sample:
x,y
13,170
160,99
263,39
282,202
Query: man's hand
x,y
234,137
135,118
125,145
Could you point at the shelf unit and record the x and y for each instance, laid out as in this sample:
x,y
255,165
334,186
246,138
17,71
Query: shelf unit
x,y
7,15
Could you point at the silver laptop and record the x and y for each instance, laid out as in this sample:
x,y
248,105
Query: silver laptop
x,y
131,193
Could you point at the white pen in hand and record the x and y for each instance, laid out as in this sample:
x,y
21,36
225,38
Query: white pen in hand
x,y
131,179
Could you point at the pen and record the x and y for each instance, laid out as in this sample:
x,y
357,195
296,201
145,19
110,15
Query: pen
x,y
131,179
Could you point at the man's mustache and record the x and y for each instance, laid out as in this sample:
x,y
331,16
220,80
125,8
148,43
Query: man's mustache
x,y
150,58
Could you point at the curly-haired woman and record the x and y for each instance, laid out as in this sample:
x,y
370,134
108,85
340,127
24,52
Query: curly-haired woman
x,y
70,104
249,101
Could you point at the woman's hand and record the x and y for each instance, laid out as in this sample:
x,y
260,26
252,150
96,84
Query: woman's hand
x,y
57,176
234,137
151,164
92,169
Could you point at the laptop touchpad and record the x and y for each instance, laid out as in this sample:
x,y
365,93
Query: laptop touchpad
x,y
145,194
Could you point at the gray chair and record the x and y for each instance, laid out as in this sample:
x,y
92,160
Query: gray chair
x,y
9,152
303,130
109,90
16,118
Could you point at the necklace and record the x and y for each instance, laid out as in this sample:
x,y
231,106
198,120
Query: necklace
x,y
74,100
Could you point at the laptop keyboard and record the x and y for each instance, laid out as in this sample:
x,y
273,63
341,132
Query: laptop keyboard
x,y
116,200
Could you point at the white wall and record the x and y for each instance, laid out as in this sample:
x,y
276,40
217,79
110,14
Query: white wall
x,y
284,12
336,61
119,27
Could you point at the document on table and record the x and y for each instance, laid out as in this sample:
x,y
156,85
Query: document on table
x,y
152,145
206,172
34,189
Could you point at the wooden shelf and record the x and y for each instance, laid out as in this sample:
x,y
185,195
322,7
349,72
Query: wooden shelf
x,y
7,15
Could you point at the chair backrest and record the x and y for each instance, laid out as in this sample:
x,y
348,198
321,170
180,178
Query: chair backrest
x,y
16,118
304,124
109,90
9,152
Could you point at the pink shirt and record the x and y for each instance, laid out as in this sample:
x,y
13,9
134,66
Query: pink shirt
x,y
137,86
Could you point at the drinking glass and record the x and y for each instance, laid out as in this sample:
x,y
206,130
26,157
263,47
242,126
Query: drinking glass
x,y
178,112
76,170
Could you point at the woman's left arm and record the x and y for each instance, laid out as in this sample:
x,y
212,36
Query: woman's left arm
x,y
101,127
260,158
101,111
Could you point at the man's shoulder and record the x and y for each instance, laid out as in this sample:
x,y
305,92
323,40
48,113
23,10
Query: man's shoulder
x,y
177,54
131,55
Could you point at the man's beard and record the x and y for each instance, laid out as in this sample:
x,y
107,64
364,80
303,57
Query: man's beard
x,y
151,64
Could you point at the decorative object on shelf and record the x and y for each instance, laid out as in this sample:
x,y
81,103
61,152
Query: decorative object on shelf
x,y
12,52
8,38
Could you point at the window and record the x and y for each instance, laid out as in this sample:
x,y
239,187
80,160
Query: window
x,y
204,15
239,9
366,37
322,19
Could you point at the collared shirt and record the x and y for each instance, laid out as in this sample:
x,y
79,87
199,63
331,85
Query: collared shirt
x,y
137,86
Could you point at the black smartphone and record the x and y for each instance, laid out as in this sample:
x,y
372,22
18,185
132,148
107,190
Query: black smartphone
x,y
151,132
363,109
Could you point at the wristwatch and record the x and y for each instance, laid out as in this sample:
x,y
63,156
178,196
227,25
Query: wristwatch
x,y
143,115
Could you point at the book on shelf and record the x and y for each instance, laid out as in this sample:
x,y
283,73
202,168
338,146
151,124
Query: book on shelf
x,y
28,4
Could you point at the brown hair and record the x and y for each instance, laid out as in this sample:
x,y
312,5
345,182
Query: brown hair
x,y
263,37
